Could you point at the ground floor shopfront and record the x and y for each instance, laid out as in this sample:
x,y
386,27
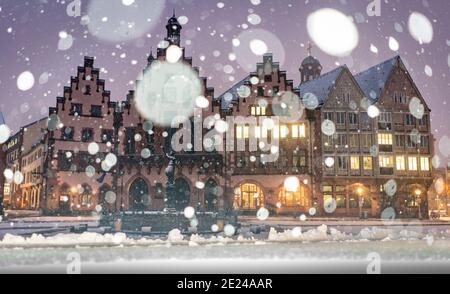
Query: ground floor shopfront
x,y
294,195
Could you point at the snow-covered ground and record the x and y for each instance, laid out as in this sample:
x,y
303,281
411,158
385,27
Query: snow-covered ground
x,y
322,249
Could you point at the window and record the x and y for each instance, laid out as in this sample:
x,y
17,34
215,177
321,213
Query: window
x,y
385,117
410,120
409,142
386,161
365,120
366,140
299,158
107,136
400,97
327,189
258,111
340,118
130,145
328,115
423,121
293,199
76,109
400,163
267,78
276,90
424,141
341,201
367,163
327,140
87,135
284,130
87,90
384,139
412,163
353,118
248,196
298,131
67,133
64,163
261,91
424,164
353,140
341,140
354,163
353,202
342,162
346,97
400,140
96,110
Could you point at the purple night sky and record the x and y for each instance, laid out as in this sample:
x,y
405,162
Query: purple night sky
x,y
29,35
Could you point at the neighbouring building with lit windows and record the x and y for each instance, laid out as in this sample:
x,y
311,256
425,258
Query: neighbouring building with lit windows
x,y
376,139
253,181
338,144
24,177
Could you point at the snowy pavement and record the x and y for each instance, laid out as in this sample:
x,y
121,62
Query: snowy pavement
x,y
323,249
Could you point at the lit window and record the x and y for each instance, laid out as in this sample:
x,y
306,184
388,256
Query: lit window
x,y
276,132
246,132
257,110
386,162
284,131
295,131
239,132
354,162
367,163
412,163
302,131
400,162
384,139
424,164
257,132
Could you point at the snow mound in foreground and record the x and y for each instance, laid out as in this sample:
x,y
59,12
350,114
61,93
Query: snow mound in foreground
x,y
320,234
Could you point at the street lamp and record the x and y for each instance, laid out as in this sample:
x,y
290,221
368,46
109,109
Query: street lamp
x,y
419,201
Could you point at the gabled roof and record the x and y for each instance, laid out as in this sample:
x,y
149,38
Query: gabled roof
x,y
373,80
225,103
321,86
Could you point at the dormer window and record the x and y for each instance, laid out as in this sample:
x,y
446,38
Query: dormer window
x,y
96,110
87,90
76,109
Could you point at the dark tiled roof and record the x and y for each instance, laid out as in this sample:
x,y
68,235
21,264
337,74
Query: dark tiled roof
x,y
373,80
321,86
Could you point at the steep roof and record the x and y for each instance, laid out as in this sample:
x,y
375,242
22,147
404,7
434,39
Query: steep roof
x,y
321,86
225,103
373,80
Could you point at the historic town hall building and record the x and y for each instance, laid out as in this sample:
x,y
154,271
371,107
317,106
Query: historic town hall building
x,y
346,145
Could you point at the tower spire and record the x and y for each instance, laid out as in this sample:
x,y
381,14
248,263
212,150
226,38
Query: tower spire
x,y
309,48
174,15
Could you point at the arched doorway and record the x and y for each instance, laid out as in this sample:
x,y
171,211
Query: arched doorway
x,y
182,194
139,194
211,195
248,196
